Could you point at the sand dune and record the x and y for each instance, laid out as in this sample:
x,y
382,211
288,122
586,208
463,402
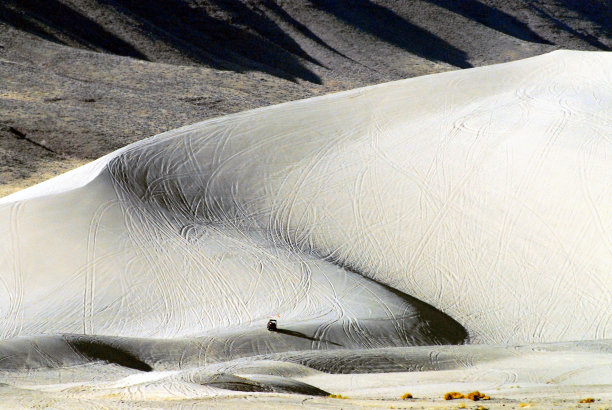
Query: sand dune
x,y
465,207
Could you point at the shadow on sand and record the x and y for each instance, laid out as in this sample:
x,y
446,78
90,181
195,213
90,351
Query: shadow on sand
x,y
305,336
106,352
439,327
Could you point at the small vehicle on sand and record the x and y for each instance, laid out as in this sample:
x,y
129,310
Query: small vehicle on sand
x,y
272,325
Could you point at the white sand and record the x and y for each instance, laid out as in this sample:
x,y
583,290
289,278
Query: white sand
x,y
485,193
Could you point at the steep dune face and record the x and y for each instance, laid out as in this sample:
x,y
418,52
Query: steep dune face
x,y
122,266
484,193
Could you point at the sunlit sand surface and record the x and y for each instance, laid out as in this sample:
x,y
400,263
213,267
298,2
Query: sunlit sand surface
x,y
451,232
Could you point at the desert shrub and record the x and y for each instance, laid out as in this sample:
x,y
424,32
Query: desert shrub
x,y
453,395
406,396
587,400
476,395
337,396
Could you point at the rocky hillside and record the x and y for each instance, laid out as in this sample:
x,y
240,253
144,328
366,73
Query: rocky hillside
x,y
80,78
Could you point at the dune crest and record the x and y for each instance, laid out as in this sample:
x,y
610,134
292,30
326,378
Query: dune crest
x,y
484,193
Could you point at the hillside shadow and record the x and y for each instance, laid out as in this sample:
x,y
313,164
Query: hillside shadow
x,y
388,26
261,24
238,42
492,18
599,13
37,17
23,22
306,32
588,38
304,336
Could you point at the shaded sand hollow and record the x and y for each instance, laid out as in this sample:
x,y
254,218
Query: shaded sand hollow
x,y
451,232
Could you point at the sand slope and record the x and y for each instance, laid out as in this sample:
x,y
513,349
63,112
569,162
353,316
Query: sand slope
x,y
472,205
484,193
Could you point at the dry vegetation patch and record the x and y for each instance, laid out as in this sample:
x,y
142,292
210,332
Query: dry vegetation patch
x,y
475,396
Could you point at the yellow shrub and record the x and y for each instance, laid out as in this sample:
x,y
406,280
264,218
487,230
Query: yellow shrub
x,y
453,395
476,395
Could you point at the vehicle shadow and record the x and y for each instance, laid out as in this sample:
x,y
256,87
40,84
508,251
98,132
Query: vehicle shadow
x,y
305,336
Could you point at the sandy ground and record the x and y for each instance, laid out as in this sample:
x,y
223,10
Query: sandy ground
x,y
513,397
286,401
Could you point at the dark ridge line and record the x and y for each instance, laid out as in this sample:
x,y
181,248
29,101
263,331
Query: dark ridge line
x,y
74,25
279,11
492,18
203,39
385,24
22,136
588,38
456,333
265,27
185,47
216,42
284,15
597,12
98,350
29,25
